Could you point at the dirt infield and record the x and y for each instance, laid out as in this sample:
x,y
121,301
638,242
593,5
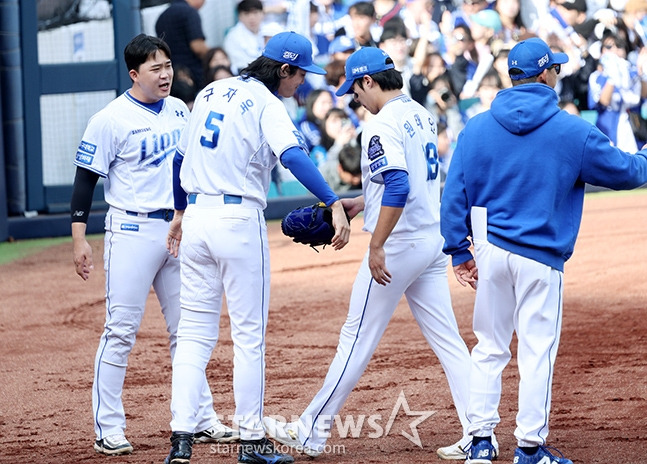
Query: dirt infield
x,y
50,323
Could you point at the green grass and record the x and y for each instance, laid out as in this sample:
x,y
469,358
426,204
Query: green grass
x,y
10,251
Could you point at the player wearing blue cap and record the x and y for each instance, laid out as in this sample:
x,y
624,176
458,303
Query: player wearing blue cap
x,y
516,187
401,195
237,132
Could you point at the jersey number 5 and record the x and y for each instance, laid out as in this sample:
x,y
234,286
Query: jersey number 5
x,y
211,125
431,153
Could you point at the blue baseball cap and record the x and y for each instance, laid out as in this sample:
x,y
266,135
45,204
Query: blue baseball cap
x,y
292,48
532,56
365,61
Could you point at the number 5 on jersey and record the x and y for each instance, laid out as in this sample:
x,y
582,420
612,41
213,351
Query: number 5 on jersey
x,y
211,125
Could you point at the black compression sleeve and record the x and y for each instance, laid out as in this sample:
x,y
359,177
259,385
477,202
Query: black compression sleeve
x,y
84,183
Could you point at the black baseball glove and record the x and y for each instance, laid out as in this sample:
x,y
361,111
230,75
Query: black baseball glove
x,y
310,225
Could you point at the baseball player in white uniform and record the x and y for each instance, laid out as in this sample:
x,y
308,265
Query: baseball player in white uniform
x,y
237,132
401,190
130,143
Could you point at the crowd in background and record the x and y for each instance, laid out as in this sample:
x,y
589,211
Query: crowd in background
x,y
452,55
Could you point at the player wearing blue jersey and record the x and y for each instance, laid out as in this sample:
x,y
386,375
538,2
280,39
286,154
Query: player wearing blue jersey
x,y
130,143
401,204
237,132
516,188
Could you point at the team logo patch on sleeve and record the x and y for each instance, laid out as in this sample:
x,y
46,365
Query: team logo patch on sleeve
x,y
85,153
379,163
375,148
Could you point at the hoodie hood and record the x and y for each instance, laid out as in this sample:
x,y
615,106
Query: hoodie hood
x,y
523,108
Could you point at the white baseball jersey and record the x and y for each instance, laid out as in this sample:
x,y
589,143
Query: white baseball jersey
x,y
258,130
405,138
134,153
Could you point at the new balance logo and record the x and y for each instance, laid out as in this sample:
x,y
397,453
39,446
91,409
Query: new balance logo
x,y
484,453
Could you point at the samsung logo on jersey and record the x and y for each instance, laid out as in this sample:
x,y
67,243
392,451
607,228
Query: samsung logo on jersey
x,y
84,158
87,147
139,131
288,55
132,227
378,164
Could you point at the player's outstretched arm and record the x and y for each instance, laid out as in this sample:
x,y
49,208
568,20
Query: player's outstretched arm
x,y
467,273
82,251
341,225
353,206
174,236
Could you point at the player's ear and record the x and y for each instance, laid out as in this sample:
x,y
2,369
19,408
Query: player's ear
x,y
284,71
133,75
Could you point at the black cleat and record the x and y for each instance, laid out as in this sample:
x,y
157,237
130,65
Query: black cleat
x,y
181,448
261,452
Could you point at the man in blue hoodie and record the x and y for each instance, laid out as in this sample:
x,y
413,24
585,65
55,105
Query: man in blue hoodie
x,y
516,188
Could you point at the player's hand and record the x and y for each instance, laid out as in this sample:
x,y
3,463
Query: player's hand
x,y
353,206
467,273
341,225
377,265
174,236
83,258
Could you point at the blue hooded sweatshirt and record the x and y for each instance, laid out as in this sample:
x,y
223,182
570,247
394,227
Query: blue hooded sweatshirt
x,y
527,162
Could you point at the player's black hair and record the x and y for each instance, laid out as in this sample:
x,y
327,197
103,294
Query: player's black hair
x,y
267,71
141,47
389,79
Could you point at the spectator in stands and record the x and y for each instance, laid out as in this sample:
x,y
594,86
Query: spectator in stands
x,y
614,89
330,20
486,26
427,65
344,172
510,14
394,42
244,42
215,56
180,26
461,57
386,10
219,72
341,48
318,103
489,86
185,91
336,131
363,24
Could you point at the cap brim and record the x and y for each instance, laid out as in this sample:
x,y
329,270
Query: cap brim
x,y
345,88
313,68
560,58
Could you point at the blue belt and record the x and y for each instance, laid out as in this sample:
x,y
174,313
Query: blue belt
x,y
166,214
227,199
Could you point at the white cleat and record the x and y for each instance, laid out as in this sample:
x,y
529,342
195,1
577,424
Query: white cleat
x,y
458,451
286,434
217,433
